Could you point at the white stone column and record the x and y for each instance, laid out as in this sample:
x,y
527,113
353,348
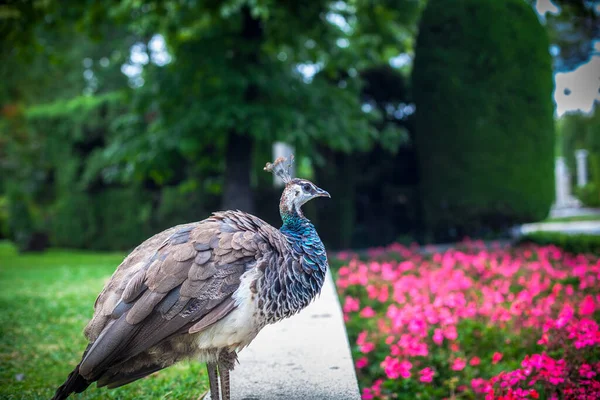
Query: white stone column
x,y
281,149
582,173
561,181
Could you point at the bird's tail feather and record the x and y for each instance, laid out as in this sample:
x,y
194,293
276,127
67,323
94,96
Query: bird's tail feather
x,y
75,383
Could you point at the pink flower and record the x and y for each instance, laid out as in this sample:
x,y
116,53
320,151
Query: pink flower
x,y
362,362
586,371
367,312
367,347
351,304
405,367
480,385
496,358
426,299
394,368
383,294
587,306
438,338
362,338
364,346
450,332
543,340
391,366
372,291
565,316
458,364
426,375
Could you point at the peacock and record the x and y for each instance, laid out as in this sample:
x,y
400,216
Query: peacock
x,y
203,291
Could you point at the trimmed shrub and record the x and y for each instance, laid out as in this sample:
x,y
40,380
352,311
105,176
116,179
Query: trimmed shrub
x,y
114,219
484,120
577,243
589,195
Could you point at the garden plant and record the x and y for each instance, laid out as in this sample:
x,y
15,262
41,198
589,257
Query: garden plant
x,y
473,322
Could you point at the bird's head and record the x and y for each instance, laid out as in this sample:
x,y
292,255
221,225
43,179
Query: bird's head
x,y
297,191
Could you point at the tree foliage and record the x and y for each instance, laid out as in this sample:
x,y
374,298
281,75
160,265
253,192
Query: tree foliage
x,y
575,30
158,95
484,120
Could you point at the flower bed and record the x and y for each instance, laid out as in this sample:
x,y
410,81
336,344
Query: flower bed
x,y
475,322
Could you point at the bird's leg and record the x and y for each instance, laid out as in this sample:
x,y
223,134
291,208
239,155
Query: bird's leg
x,y
226,363
213,380
225,388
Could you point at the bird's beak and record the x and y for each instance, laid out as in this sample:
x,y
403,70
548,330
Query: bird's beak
x,y
322,193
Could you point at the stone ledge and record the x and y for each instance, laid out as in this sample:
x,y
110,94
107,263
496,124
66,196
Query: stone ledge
x,y
573,227
303,357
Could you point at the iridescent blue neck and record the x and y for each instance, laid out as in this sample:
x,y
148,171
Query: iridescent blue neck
x,y
294,222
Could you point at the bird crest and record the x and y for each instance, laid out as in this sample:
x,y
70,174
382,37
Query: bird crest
x,y
281,168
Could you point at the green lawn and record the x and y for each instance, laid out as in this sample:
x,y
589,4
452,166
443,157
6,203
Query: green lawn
x,y
45,301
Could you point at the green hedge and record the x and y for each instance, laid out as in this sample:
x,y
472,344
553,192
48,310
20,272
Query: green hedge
x,y
575,243
482,85
114,219
589,195
122,218
74,223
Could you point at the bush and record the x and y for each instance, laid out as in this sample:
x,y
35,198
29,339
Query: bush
x,y
114,219
123,217
74,224
484,119
180,205
581,131
25,222
573,243
589,195
3,217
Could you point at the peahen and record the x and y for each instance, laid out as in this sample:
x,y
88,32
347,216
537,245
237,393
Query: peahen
x,y
203,291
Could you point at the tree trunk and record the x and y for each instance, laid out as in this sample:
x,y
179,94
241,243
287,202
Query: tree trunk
x,y
237,193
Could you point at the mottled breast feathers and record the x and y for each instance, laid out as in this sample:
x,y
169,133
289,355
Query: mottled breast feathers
x,y
295,284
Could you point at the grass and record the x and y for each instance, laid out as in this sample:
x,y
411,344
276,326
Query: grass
x,y
574,219
45,302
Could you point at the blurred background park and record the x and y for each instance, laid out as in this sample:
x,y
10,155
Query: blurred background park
x,y
427,121
120,119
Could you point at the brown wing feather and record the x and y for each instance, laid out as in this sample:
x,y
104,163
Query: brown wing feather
x,y
183,277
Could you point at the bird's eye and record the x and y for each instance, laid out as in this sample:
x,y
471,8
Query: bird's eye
x,y
306,187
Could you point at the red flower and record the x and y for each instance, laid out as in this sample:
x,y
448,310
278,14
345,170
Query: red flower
x,y
475,361
496,358
362,362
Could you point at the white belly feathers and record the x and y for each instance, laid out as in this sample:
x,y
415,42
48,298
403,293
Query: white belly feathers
x,y
239,327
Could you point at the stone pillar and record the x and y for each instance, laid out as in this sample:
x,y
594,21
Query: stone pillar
x,y
281,149
582,173
562,182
